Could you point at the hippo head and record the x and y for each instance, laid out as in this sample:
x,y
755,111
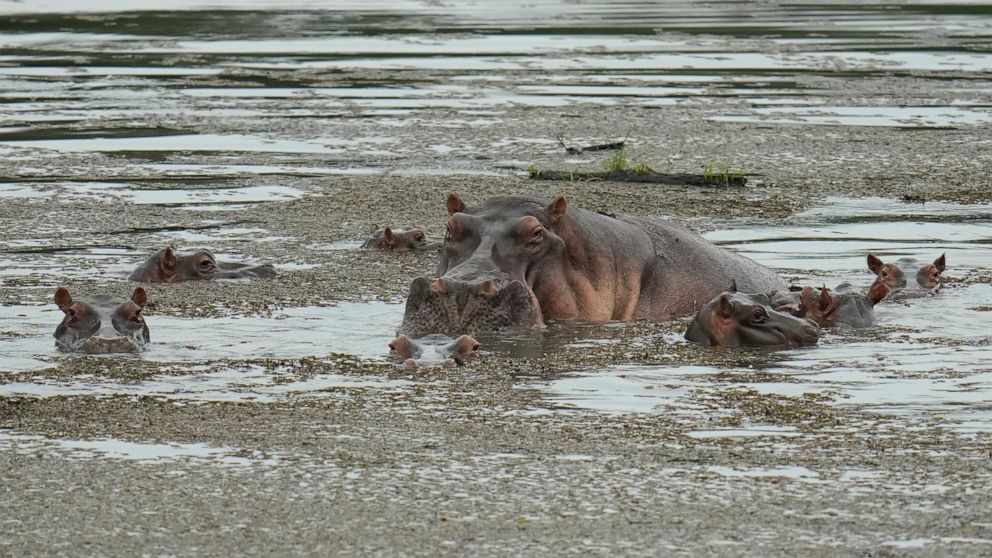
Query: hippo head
x,y
398,240
433,350
454,307
169,266
908,273
738,319
824,307
818,305
501,245
102,324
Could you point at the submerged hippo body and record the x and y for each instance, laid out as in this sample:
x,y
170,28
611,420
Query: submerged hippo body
x,y
399,240
169,266
101,324
735,319
577,264
843,307
433,350
908,275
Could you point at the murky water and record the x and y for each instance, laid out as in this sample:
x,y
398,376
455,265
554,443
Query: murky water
x,y
127,78
926,356
190,90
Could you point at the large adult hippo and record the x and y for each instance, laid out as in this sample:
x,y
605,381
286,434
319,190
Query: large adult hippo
x,y
101,324
578,264
169,266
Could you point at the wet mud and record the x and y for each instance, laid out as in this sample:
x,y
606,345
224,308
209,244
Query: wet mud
x,y
269,410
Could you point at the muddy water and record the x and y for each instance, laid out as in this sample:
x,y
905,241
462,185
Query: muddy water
x,y
926,356
221,95
280,130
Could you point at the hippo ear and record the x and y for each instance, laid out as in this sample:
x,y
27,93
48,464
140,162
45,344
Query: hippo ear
x,y
804,294
62,298
824,300
455,203
139,297
169,257
724,307
874,264
389,237
373,228
733,286
557,208
939,262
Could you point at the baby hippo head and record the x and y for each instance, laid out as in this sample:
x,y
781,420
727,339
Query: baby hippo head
x,y
908,273
737,319
169,266
397,240
101,324
433,350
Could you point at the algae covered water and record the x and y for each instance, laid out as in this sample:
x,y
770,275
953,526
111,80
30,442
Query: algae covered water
x,y
270,411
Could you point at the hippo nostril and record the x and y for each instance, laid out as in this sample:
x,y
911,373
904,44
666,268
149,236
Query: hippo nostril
x,y
437,286
489,288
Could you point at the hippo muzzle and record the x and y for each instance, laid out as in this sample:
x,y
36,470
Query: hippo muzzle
x,y
455,307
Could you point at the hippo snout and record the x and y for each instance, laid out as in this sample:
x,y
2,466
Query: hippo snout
x,y
451,306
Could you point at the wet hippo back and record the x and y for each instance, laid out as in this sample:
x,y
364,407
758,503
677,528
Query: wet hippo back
x,y
689,270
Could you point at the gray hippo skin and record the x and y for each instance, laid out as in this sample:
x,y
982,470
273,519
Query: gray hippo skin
x,y
433,350
452,307
169,266
399,240
578,264
840,308
735,319
908,275
101,324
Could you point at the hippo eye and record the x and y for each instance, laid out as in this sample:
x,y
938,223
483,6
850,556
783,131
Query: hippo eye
x,y
759,316
537,236
206,264
419,238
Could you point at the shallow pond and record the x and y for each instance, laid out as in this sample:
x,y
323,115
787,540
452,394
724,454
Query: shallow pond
x,y
204,107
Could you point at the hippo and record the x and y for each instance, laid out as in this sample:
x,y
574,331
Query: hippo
x,y
578,264
735,319
843,307
908,274
168,266
432,350
101,324
399,240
